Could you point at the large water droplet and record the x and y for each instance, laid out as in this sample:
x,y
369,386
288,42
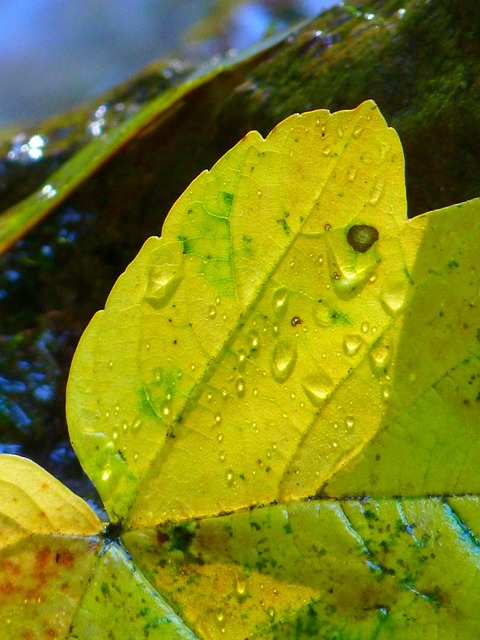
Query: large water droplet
x,y
318,388
393,295
283,360
161,285
352,343
280,301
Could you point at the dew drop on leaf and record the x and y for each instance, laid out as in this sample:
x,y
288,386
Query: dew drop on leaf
x,y
352,344
253,341
318,388
161,285
350,421
380,358
352,172
280,301
283,360
240,387
241,359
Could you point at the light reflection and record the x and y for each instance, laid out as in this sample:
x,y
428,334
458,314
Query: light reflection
x,y
95,126
23,150
48,192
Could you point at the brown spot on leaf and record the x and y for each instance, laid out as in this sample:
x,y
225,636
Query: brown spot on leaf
x,y
361,237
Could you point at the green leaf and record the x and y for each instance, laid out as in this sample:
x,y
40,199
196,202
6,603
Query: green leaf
x,y
279,404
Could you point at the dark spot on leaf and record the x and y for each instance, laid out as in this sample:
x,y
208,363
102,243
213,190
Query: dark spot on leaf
x,y
162,537
227,198
187,244
296,321
181,538
361,237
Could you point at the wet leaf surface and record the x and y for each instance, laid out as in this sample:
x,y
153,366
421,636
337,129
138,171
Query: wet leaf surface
x,y
54,279
283,427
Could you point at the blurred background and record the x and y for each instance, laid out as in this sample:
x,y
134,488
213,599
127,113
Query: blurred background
x,y
55,54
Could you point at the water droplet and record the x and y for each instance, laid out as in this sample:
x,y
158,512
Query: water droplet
x,y
386,392
241,586
47,192
253,341
241,359
135,425
365,327
318,388
240,387
114,434
377,190
259,194
350,421
110,364
218,418
229,476
209,396
380,358
162,283
326,151
393,295
165,411
212,312
357,132
255,427
352,344
125,425
221,456
271,612
220,437
280,301
283,360
352,172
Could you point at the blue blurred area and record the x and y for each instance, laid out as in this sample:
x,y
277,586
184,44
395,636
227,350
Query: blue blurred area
x,y
57,53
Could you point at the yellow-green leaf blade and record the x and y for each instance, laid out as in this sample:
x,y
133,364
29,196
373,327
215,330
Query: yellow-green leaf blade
x,y
254,277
